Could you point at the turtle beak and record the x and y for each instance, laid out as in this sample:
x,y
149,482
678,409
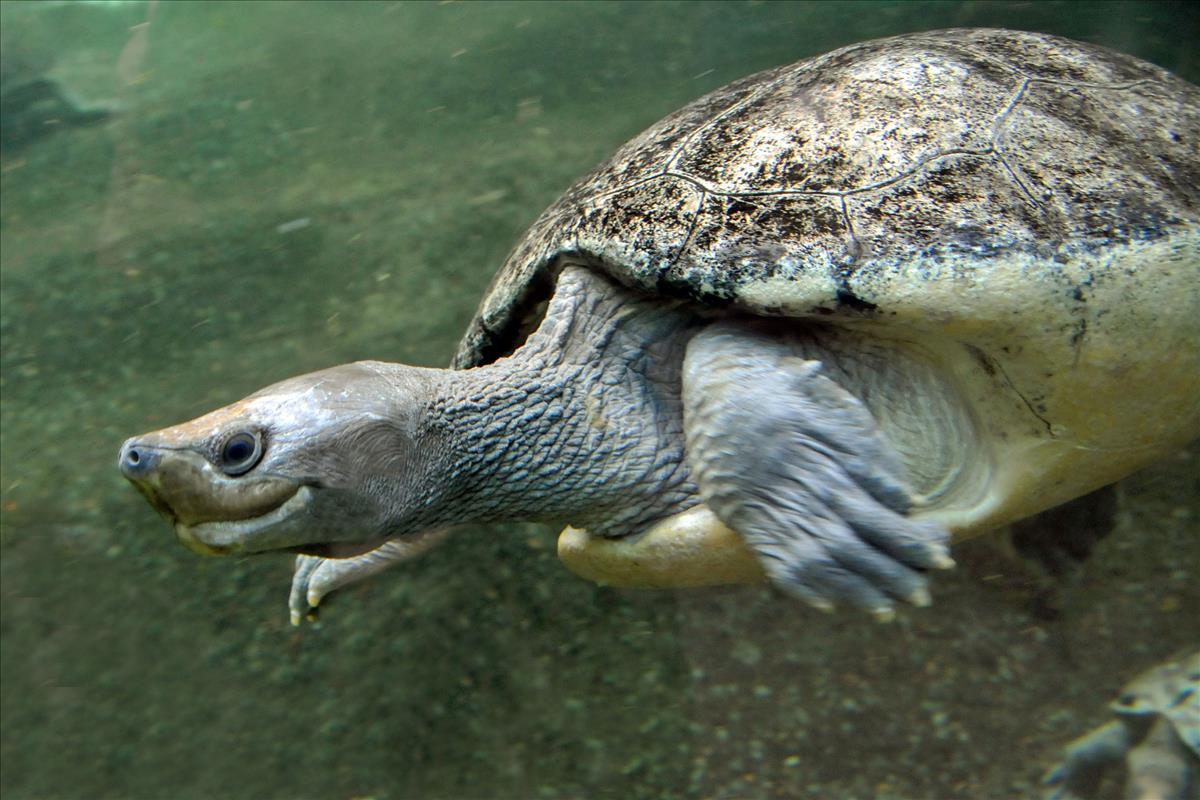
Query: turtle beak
x,y
139,463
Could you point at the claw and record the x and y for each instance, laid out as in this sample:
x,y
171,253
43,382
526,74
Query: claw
x,y
823,606
920,597
942,560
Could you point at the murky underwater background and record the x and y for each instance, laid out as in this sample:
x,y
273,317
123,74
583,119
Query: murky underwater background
x,y
288,186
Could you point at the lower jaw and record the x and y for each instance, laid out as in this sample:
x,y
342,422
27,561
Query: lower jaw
x,y
235,537
189,540
315,549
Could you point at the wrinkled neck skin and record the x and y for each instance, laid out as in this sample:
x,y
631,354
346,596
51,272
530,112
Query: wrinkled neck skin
x,y
582,425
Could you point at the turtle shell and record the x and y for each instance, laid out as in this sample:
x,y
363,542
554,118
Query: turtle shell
x,y
1028,202
886,178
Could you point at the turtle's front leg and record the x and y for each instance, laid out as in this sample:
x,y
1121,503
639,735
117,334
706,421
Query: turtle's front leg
x,y
796,464
1085,760
314,577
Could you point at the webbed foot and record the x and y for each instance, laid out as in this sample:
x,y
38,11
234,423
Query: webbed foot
x,y
796,464
1084,762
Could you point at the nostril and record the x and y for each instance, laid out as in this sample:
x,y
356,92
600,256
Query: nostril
x,y
137,461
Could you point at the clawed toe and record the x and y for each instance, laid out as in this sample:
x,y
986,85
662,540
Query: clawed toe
x,y
300,600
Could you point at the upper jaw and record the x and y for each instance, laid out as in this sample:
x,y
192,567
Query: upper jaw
x,y
214,513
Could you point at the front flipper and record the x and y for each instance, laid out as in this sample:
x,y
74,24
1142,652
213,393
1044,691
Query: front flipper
x,y
1085,761
314,577
796,464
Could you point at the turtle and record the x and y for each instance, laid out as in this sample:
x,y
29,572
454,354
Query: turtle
x,y
1156,733
805,330
33,105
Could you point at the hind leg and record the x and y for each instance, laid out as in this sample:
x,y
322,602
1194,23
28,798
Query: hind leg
x,y
796,464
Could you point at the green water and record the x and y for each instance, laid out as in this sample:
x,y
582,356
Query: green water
x,y
293,185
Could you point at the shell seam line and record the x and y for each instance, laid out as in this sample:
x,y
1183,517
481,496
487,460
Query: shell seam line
x,y
687,239
754,95
809,66
992,149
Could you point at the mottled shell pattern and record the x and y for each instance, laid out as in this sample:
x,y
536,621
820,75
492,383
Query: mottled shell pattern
x,y
878,181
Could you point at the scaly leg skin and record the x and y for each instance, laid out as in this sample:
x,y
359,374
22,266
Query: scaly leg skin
x,y
1085,761
314,577
796,464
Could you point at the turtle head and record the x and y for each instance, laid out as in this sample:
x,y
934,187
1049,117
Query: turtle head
x,y
1164,689
318,464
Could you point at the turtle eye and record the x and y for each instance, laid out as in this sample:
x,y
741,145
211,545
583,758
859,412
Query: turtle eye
x,y
240,453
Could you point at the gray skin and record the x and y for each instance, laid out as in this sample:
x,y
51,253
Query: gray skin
x,y
1155,735
836,311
